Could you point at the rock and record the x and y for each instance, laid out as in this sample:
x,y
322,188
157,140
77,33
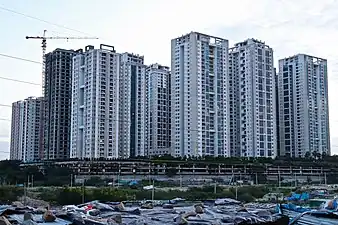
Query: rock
x,y
180,220
28,219
4,221
147,206
17,204
94,212
48,216
27,216
199,204
116,218
199,209
111,222
188,214
121,207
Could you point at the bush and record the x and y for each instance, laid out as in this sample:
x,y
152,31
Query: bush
x,y
246,197
69,196
9,193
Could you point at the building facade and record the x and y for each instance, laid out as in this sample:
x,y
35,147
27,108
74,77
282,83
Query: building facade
x,y
133,107
252,100
159,110
199,95
95,103
57,106
26,129
303,106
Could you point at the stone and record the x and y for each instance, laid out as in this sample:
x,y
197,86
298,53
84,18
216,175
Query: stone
x,y
121,207
27,216
48,216
199,209
147,206
94,212
4,221
17,204
181,220
117,218
199,204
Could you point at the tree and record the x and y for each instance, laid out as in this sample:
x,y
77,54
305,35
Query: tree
x,y
308,180
307,155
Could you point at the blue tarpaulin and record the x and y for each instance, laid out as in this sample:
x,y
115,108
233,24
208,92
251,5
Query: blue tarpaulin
x,y
299,197
134,182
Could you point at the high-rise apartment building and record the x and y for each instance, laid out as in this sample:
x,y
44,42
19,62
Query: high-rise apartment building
x,y
133,107
26,128
95,104
57,110
303,106
277,113
159,110
199,91
252,100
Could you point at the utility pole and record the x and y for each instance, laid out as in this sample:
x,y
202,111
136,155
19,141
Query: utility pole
x,y
83,190
236,192
153,191
32,180
278,178
25,193
71,180
256,179
180,181
149,177
325,178
215,188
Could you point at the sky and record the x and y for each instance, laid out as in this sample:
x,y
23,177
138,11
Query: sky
x,y
146,27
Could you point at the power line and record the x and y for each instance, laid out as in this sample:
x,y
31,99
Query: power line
x,y
20,81
4,105
4,119
42,20
19,58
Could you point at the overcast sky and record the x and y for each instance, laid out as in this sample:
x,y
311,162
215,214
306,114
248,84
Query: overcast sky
x,y
146,27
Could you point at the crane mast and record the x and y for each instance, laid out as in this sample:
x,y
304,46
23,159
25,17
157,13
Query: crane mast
x,y
44,47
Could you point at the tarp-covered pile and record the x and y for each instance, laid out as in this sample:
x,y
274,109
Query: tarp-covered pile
x,y
224,211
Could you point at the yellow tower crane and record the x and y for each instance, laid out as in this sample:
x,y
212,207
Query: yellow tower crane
x,y
44,46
